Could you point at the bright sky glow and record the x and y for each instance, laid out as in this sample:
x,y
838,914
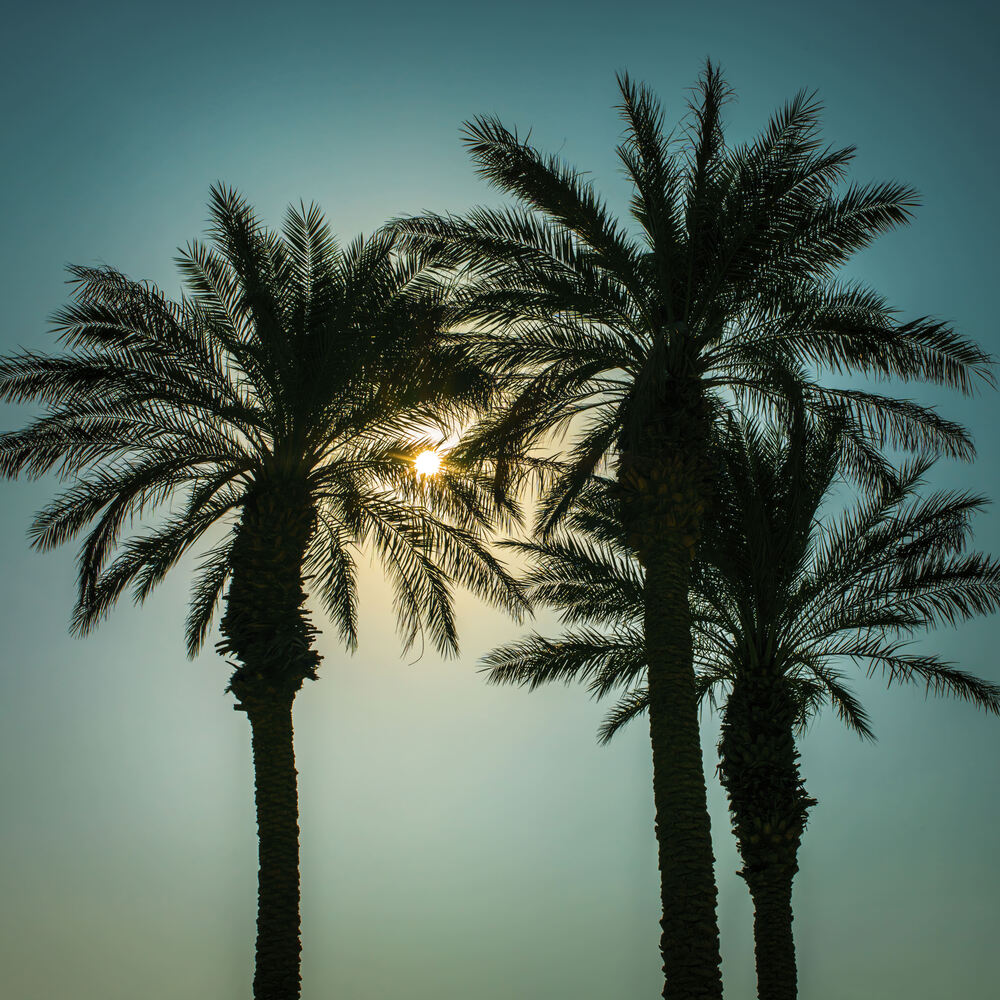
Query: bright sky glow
x,y
427,463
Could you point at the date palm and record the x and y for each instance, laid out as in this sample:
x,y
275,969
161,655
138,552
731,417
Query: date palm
x,y
722,293
271,415
780,599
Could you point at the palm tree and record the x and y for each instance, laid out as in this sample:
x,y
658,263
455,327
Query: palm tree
x,y
640,340
778,599
274,411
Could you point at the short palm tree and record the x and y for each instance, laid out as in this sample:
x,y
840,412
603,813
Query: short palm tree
x,y
272,414
723,294
779,598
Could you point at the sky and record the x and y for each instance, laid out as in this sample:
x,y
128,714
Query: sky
x,y
457,840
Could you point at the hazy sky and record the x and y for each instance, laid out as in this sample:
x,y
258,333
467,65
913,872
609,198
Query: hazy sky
x,y
457,841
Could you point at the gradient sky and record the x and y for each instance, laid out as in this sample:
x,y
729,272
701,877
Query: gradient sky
x,y
457,841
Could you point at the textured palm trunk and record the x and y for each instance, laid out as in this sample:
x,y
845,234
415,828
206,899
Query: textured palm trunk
x,y
689,940
265,626
774,947
664,477
768,806
276,970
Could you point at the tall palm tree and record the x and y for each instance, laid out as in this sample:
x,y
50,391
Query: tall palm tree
x,y
273,413
723,293
778,599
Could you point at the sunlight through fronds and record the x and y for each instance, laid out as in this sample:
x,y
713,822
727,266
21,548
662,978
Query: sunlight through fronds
x,y
427,463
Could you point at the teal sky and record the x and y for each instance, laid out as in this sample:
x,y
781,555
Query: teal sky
x,y
458,841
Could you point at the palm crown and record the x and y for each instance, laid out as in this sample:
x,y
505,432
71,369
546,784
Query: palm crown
x,y
725,294
290,360
775,589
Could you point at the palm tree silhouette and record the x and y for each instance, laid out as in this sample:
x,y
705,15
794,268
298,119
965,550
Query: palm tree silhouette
x,y
275,412
638,342
778,598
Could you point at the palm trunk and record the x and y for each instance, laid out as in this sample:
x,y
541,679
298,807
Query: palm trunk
x,y
689,941
276,975
768,805
774,947
665,478
266,627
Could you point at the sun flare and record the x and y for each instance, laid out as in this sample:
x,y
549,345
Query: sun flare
x,y
427,463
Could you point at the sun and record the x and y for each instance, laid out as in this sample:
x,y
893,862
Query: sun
x,y
427,463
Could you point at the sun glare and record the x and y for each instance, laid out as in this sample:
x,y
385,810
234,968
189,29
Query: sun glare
x,y
427,463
